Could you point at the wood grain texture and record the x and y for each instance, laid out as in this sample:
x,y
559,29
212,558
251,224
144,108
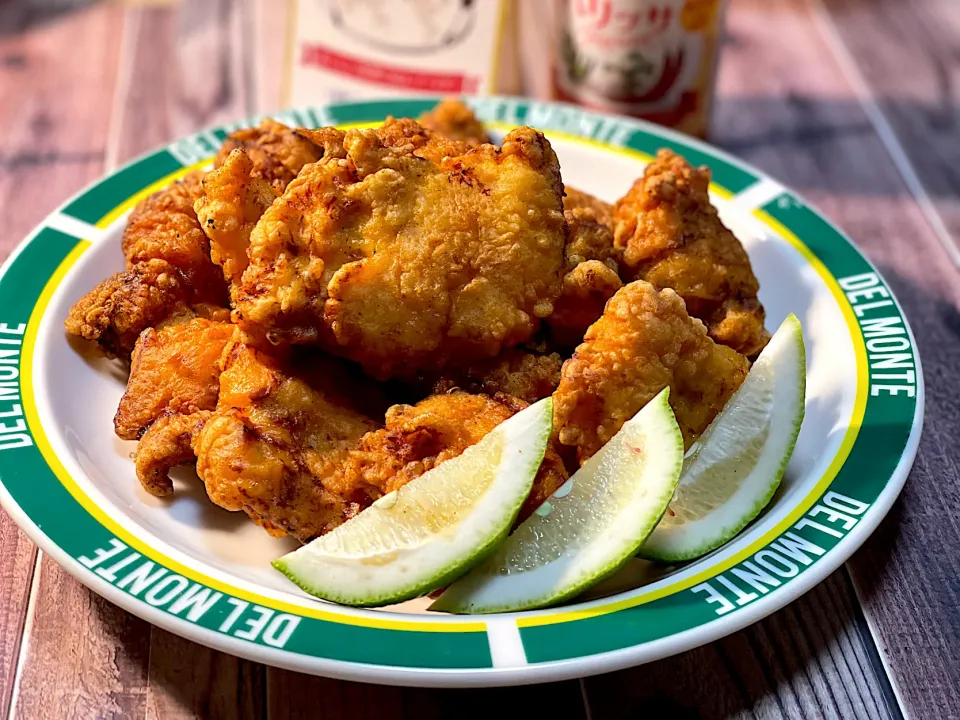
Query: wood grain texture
x,y
185,68
909,56
796,122
809,660
52,144
202,62
292,695
84,657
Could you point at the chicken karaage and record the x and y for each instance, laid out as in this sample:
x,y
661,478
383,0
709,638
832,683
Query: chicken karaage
x,y
282,428
174,369
575,199
590,277
644,342
672,236
406,263
115,312
164,226
517,372
455,120
277,153
419,437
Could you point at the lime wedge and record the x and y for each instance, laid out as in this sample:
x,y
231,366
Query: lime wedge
x,y
435,528
733,470
588,529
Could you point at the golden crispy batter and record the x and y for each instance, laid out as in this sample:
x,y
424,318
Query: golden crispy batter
x,y
590,277
282,427
524,375
232,201
277,152
175,369
404,263
644,342
419,437
115,312
455,120
574,199
168,442
164,226
672,236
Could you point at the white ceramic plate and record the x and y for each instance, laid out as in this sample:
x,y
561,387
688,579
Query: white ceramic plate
x,y
204,573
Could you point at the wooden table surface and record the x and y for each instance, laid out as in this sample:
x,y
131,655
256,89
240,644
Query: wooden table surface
x,y
852,102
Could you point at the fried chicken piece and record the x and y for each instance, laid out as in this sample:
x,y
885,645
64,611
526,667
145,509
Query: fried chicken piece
x,y
644,342
672,236
168,273
404,262
175,370
524,375
164,226
277,153
253,167
282,427
455,120
232,201
419,437
574,199
168,442
115,312
590,277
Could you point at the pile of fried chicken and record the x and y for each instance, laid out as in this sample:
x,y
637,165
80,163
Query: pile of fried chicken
x,y
328,314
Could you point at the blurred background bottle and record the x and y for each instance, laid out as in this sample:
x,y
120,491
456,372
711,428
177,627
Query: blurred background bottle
x,y
345,49
653,59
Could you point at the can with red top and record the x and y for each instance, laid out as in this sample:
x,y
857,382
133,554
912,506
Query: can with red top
x,y
653,59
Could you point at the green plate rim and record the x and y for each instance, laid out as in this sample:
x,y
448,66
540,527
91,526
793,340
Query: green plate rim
x,y
529,647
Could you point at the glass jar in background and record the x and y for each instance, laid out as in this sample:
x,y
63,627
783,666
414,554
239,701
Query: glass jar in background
x,y
653,59
339,50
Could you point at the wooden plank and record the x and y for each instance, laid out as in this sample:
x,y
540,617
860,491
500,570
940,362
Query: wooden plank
x,y
17,559
53,144
292,695
795,120
187,680
907,56
84,657
54,135
807,661
186,69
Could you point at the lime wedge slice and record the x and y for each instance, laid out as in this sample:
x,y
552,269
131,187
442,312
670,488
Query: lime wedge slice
x,y
588,529
733,470
434,528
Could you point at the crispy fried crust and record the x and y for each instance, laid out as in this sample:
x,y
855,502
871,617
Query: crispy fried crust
x,y
420,437
601,211
176,370
672,236
453,119
404,262
115,312
164,226
521,374
590,277
277,152
168,442
282,427
232,201
644,342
